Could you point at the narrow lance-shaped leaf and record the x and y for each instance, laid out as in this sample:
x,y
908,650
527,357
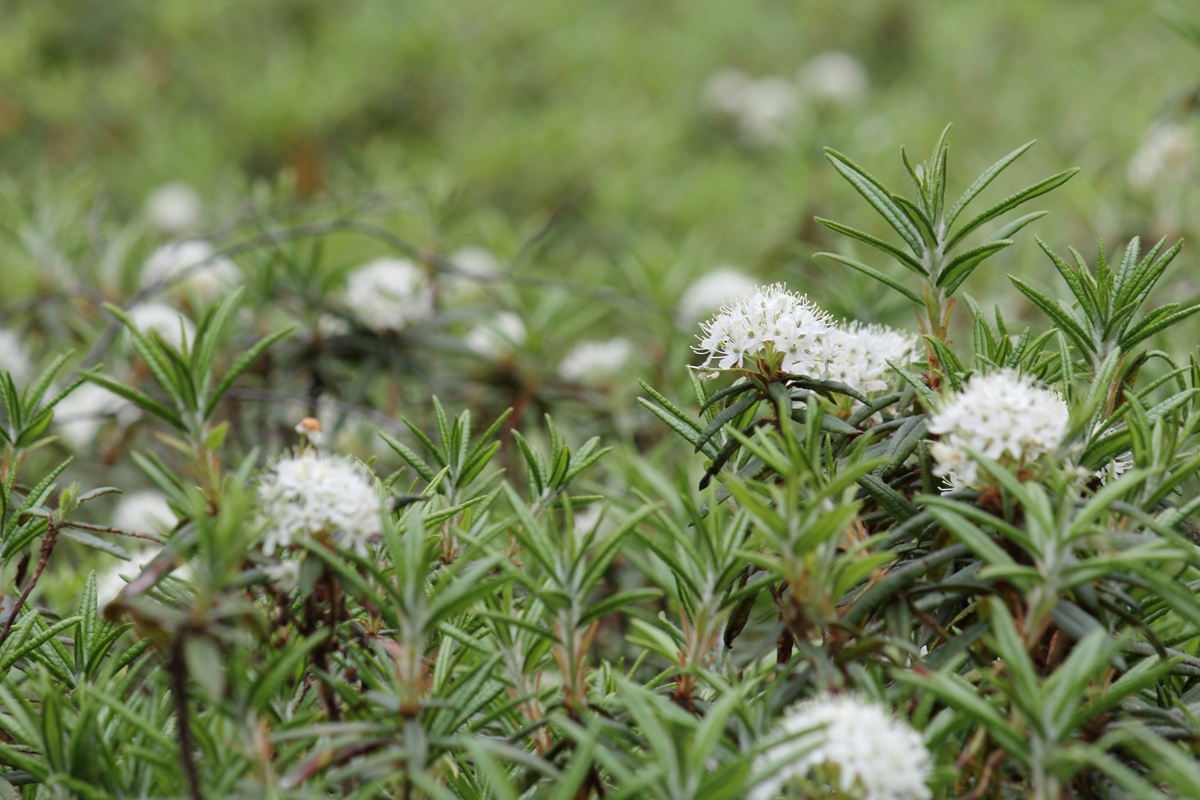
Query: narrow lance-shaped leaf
x,y
1011,202
879,198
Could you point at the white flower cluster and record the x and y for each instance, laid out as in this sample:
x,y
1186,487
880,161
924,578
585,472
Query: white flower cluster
x,y
200,272
863,353
173,208
769,317
1003,416
498,338
772,321
762,108
1166,148
873,752
312,494
389,294
591,362
709,292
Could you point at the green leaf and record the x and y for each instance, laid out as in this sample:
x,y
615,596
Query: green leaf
x,y
1011,202
876,274
206,665
964,263
410,458
1062,320
896,504
879,198
1147,328
901,256
143,401
266,687
981,183
243,363
731,412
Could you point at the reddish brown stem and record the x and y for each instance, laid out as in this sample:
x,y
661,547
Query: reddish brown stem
x,y
47,547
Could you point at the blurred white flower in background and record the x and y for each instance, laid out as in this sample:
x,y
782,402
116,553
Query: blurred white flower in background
x,y
167,321
594,362
146,511
285,575
709,292
835,78
330,326
1004,416
760,108
80,415
476,263
111,581
474,269
389,294
862,353
200,272
14,357
1166,148
770,320
724,91
174,209
497,338
874,755
311,493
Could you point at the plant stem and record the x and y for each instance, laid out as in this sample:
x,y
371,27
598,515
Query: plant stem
x,y
177,670
47,547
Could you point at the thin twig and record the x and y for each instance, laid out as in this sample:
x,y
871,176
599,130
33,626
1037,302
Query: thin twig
x,y
47,547
85,526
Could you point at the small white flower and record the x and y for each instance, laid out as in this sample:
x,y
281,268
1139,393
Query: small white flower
x,y
708,293
194,263
497,338
876,755
173,208
14,357
168,322
314,494
1166,148
389,294
591,362
862,355
761,108
1003,416
769,317
146,511
1114,469
835,78
80,415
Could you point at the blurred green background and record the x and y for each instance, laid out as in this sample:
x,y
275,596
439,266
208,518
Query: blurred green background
x,y
490,115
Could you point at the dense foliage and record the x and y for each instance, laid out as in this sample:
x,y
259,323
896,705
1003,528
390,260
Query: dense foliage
x,y
992,546
462,400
